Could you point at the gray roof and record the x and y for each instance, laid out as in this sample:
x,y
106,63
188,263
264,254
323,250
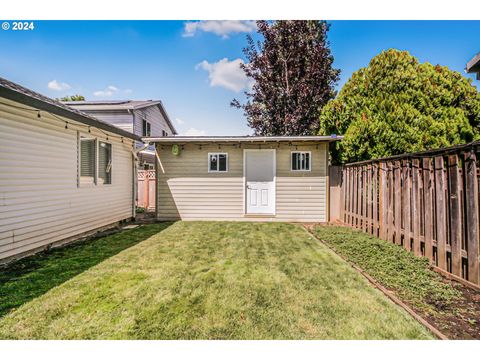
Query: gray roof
x,y
115,105
473,66
18,93
213,139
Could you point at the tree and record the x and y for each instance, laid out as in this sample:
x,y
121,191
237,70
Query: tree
x,y
73,98
293,77
397,105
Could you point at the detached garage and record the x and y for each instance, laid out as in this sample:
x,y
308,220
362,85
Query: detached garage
x,y
243,178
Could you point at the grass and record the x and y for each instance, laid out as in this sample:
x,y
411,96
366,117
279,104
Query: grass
x,y
392,266
214,280
33,276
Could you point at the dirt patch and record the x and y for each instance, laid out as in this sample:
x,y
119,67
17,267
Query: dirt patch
x,y
459,320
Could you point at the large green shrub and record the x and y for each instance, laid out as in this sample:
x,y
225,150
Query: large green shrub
x,y
397,105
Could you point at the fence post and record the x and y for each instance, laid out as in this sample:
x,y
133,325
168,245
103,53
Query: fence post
x,y
383,201
397,216
440,213
369,199
343,190
406,203
390,201
455,215
428,207
364,198
471,217
375,231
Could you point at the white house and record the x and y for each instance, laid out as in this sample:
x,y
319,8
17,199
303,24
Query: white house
x,y
140,117
63,173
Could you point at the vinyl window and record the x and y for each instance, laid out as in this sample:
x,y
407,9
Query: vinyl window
x,y
217,162
146,128
301,161
104,162
87,160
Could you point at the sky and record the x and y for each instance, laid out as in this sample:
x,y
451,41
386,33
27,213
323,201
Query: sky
x,y
193,66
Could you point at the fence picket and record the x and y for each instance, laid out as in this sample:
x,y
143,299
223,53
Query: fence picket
x,y
428,208
406,203
440,213
471,217
455,215
416,207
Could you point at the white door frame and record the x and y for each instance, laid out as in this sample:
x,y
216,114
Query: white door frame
x,y
245,181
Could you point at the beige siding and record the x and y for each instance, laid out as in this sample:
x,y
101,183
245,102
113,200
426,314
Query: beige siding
x,y
187,191
40,201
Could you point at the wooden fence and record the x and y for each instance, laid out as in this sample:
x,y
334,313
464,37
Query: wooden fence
x,y
146,189
426,202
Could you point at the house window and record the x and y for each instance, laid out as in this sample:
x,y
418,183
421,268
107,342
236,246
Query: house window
x,y
146,128
105,162
217,162
87,160
164,133
301,160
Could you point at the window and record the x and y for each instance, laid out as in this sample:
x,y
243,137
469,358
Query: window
x,y
301,160
87,160
105,162
164,133
217,162
146,128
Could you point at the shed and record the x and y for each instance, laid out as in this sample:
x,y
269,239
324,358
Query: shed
x,y
63,173
243,178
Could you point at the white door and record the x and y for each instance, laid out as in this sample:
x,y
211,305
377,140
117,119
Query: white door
x,y
260,181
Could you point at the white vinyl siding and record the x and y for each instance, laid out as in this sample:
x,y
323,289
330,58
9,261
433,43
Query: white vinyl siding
x,y
186,190
40,202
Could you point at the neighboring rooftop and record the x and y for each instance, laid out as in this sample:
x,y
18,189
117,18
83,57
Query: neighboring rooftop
x,y
113,105
473,66
18,93
206,139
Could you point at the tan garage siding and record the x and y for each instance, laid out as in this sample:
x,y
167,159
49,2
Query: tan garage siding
x,y
302,196
40,202
187,191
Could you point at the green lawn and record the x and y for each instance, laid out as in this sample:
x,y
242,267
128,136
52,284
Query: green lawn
x,y
203,280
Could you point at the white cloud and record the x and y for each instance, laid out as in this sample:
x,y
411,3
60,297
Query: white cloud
x,y
58,86
128,91
195,132
179,121
226,74
109,91
222,28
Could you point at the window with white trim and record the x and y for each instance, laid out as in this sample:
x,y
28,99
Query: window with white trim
x,y
217,162
87,160
301,160
104,162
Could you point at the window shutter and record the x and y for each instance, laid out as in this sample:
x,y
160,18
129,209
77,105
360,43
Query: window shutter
x,y
87,157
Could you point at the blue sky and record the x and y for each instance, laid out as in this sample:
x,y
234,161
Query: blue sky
x,y
193,66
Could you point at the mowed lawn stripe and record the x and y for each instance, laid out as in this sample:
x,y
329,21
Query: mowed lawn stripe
x,y
216,280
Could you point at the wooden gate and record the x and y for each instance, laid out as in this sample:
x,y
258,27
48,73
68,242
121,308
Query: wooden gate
x,y
146,189
427,202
